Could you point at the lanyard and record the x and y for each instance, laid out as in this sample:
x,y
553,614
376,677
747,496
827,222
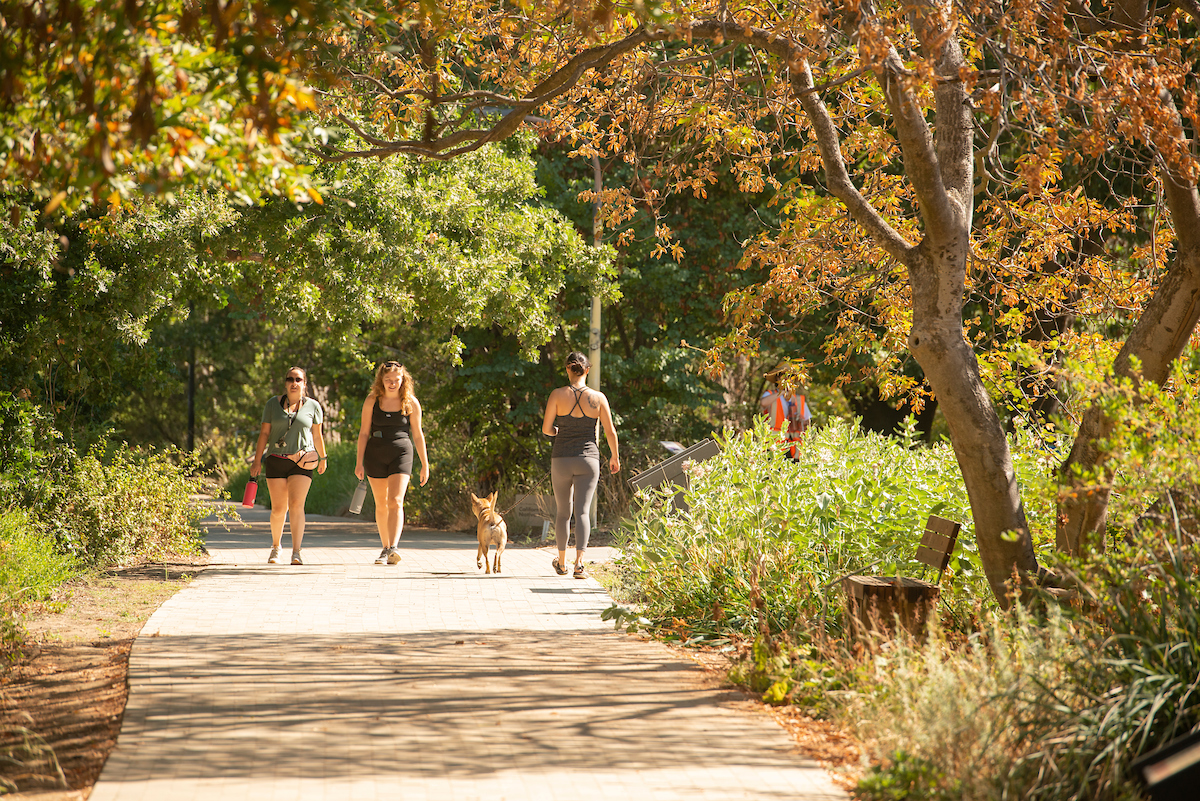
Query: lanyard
x,y
279,443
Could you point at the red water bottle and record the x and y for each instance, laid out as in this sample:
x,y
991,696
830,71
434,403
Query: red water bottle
x,y
251,491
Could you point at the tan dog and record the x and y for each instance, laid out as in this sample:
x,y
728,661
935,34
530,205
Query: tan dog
x,y
491,530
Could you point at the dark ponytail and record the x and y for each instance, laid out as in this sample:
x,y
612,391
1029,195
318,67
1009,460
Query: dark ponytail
x,y
577,363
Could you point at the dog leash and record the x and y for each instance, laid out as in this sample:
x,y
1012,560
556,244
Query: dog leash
x,y
530,490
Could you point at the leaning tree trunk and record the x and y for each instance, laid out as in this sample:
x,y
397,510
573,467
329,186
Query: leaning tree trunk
x,y
1158,339
940,169
979,441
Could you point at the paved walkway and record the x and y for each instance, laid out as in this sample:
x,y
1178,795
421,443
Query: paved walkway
x,y
426,681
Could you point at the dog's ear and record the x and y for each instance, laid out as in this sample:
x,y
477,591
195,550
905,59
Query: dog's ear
x,y
475,498
492,497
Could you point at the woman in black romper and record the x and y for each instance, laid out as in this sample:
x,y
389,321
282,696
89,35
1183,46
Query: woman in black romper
x,y
390,432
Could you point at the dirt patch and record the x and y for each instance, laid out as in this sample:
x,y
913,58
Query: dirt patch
x,y
62,700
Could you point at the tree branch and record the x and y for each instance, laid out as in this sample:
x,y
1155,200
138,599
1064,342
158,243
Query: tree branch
x,y
557,83
922,161
392,94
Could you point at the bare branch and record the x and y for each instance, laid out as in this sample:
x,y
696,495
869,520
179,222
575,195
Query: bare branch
x,y
702,57
392,94
361,133
821,87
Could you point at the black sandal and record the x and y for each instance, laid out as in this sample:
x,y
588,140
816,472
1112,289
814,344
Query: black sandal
x,y
580,573
558,568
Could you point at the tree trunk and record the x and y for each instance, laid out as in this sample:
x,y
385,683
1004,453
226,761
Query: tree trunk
x,y
976,433
943,177
939,162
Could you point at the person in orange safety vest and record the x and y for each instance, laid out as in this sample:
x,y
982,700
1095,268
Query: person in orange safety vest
x,y
786,412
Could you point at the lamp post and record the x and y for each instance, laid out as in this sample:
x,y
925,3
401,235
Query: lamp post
x,y
191,386
594,340
597,236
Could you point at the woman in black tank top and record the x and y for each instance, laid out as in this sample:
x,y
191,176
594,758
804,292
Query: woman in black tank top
x,y
573,415
389,434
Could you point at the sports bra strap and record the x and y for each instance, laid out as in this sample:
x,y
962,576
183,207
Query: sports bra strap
x,y
578,395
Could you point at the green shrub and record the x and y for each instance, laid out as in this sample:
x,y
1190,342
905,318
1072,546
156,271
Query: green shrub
x,y
132,505
907,778
766,540
111,504
34,456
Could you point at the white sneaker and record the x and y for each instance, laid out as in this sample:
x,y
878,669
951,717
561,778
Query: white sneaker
x,y
382,559
393,556
274,557
296,560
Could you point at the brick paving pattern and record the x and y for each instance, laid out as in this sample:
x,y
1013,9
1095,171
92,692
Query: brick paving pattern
x,y
424,681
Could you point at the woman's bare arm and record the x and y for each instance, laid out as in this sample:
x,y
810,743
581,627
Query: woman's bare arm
x,y
610,433
418,437
548,427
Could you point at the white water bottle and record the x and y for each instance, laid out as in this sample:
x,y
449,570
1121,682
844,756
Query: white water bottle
x,y
360,495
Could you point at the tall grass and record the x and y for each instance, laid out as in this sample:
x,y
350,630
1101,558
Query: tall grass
x,y
939,716
1136,683
1043,708
30,570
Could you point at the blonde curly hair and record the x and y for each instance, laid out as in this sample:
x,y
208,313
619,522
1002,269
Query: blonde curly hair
x,y
408,398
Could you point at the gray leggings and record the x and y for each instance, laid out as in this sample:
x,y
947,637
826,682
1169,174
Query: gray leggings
x,y
574,479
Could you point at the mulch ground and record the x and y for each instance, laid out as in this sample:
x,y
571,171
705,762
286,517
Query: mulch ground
x,y
62,696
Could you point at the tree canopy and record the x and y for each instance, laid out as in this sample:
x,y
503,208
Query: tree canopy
x,y
452,246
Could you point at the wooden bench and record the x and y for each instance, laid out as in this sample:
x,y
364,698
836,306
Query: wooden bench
x,y
876,603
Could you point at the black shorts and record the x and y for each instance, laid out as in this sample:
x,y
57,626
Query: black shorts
x,y
282,467
387,457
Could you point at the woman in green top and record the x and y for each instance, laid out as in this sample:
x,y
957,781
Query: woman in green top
x,y
291,437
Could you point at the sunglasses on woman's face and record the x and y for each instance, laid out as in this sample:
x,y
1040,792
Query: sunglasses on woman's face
x,y
291,379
